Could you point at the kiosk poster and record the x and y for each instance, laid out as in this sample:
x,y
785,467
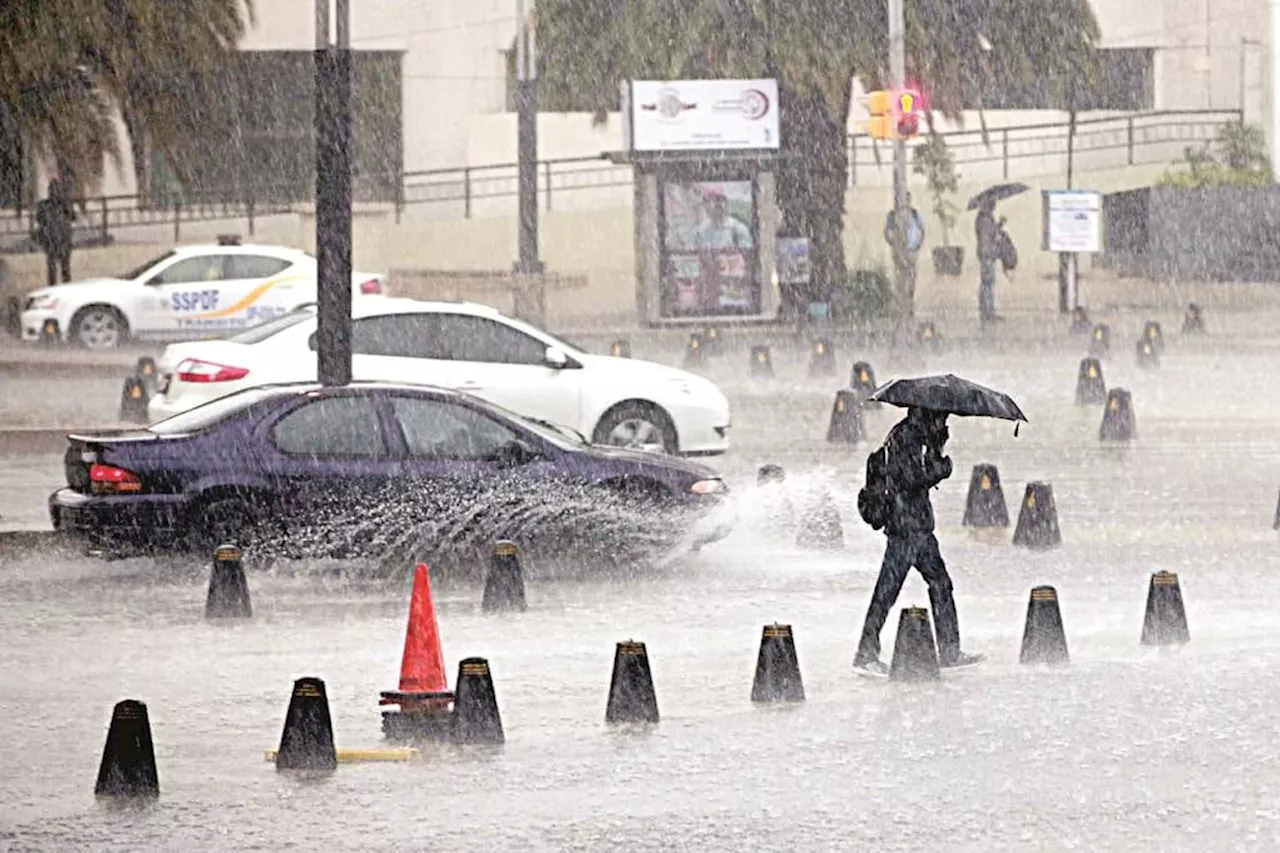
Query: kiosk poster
x,y
709,249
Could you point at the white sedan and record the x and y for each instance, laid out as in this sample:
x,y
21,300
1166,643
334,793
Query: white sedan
x,y
186,293
472,348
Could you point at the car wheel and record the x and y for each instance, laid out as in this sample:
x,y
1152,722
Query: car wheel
x,y
99,327
640,426
218,522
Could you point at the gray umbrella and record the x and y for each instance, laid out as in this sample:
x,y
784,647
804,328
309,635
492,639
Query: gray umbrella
x,y
950,394
997,193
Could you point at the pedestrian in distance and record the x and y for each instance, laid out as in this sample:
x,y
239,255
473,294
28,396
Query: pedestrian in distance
x,y
912,245
54,215
896,498
987,232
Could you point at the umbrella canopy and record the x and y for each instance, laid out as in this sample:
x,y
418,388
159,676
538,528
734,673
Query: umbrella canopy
x,y
997,193
949,394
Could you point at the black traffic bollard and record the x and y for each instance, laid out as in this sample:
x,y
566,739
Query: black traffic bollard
x,y
862,380
1079,320
1148,356
822,358
695,351
228,594
1119,423
1165,623
1152,332
1038,518
504,584
846,425
1100,340
307,740
985,506
1043,638
820,528
475,705
620,349
128,767
915,656
927,335
1193,322
777,667
712,341
133,401
1091,388
761,362
631,695
770,473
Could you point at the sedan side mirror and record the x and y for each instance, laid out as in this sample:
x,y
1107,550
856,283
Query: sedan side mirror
x,y
556,358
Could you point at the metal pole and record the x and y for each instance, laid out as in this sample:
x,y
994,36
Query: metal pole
x,y
333,195
1275,85
898,73
528,290
1066,260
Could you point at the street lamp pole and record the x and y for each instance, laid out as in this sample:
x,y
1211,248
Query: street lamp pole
x,y
898,72
333,194
529,294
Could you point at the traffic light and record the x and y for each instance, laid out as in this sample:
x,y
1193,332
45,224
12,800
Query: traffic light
x,y
894,114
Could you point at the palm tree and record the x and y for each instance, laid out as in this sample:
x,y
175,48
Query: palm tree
x,y
815,48
67,67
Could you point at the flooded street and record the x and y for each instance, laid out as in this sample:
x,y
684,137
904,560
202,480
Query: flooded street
x,y
1129,748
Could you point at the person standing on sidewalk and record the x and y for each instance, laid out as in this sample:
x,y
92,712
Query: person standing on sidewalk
x,y
54,215
913,464
988,237
912,245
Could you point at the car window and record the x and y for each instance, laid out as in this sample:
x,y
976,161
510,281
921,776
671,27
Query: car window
x,y
214,412
254,266
198,269
438,429
331,427
403,335
137,271
468,338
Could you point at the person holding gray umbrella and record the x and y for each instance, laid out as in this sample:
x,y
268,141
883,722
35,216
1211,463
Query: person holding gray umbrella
x,y
896,498
988,234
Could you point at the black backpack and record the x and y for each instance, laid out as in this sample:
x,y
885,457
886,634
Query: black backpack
x,y
875,501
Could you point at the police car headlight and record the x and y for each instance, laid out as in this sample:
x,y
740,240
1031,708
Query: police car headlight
x,y
708,487
42,302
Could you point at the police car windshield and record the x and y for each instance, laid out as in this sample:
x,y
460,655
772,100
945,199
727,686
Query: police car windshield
x,y
213,412
274,326
138,271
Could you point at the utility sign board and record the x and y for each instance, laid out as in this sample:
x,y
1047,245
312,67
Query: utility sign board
x,y
1072,221
700,115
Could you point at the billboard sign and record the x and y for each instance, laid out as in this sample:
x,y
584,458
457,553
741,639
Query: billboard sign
x,y
700,115
709,254
1072,221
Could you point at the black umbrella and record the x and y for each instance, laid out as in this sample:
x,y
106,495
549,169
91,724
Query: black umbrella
x,y
997,193
949,394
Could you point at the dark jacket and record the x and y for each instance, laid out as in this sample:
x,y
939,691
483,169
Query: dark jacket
x,y
54,216
913,469
987,233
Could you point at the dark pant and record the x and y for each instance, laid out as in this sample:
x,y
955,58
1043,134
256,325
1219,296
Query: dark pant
x,y
55,258
987,289
902,551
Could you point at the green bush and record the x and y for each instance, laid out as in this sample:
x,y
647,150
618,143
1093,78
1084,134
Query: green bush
x,y
864,294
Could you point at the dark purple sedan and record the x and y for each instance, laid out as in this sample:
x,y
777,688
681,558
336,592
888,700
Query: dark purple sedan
x,y
345,468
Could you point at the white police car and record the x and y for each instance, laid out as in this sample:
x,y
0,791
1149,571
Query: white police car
x,y
188,293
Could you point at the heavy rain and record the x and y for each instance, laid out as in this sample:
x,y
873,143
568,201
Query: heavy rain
x,y
520,446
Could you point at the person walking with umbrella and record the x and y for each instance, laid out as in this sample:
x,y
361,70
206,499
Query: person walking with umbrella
x,y
899,477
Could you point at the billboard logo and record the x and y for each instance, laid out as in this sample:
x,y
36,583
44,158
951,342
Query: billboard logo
x,y
669,106
755,104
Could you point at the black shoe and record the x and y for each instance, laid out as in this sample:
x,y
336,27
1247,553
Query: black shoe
x,y
874,666
962,660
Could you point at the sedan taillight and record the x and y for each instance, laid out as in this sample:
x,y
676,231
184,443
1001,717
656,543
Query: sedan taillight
x,y
110,480
195,370
372,287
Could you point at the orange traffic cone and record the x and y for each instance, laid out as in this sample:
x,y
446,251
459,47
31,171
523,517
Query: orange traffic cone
x,y
424,695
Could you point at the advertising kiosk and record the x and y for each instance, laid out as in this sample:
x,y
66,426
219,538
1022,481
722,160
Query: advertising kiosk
x,y
706,213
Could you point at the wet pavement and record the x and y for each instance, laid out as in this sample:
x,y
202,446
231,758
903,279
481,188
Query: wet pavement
x,y
1127,749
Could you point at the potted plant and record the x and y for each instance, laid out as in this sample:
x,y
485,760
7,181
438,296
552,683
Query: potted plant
x,y
933,160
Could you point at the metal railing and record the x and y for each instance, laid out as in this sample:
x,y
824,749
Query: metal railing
x,y
1023,151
